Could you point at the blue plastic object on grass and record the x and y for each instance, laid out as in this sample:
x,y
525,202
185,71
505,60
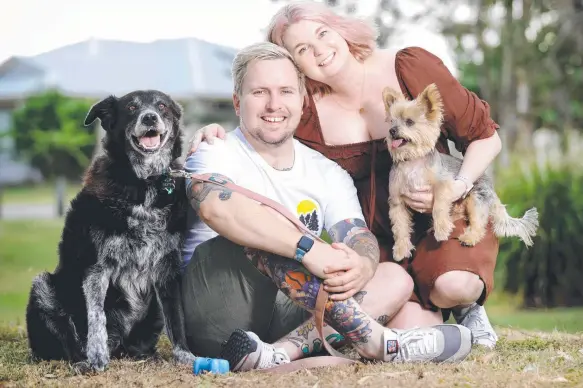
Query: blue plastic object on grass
x,y
211,365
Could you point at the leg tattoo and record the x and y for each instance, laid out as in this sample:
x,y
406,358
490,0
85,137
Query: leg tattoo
x,y
346,317
383,320
349,320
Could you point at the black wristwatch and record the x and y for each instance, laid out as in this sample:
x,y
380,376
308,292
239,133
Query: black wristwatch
x,y
303,247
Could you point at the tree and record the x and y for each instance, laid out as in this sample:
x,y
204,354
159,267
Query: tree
x,y
531,73
48,131
522,56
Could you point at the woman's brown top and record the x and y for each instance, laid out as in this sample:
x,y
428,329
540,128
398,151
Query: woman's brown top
x,y
466,118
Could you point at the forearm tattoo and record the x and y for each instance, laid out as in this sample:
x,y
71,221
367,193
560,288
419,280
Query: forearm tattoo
x,y
354,233
201,190
294,280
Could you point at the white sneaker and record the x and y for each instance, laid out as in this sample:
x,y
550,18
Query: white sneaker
x,y
439,343
245,351
476,319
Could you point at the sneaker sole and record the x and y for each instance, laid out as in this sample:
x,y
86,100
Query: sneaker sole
x,y
237,348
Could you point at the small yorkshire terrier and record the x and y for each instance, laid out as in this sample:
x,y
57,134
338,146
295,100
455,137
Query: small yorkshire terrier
x,y
412,136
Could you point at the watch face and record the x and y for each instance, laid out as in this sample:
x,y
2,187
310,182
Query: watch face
x,y
305,243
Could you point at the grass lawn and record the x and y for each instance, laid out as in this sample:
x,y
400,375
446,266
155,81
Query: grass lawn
x,y
519,360
523,357
36,194
27,248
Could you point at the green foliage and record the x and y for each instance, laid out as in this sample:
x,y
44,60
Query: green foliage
x,y
48,131
546,57
550,273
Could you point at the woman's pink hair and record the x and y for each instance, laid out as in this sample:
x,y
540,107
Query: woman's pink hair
x,y
359,35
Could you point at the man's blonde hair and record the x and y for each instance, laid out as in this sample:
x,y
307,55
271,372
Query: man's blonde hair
x,y
264,51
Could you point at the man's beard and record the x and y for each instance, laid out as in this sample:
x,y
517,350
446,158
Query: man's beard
x,y
257,134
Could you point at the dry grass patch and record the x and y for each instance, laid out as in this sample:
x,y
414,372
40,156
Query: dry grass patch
x,y
524,359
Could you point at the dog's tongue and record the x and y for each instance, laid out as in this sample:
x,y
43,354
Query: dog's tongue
x,y
150,141
396,143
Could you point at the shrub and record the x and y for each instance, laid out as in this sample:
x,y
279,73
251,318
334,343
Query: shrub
x,y
48,131
550,273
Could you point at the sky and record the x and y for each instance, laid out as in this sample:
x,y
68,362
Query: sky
x,y
30,27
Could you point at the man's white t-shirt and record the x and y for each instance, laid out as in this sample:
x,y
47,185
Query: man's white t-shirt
x,y
315,189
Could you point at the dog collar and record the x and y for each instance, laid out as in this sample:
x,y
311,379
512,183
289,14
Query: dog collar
x,y
168,183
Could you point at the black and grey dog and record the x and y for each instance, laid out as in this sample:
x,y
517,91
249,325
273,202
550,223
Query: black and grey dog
x,y
117,282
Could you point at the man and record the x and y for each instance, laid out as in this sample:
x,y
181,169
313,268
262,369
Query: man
x,y
232,280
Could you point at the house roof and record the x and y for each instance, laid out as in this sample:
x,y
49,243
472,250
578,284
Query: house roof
x,y
183,68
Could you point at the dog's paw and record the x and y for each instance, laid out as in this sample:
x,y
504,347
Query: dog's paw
x,y
466,244
467,241
442,232
470,237
441,236
98,357
182,356
402,250
81,368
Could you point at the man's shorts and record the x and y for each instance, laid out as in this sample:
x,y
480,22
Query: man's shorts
x,y
222,291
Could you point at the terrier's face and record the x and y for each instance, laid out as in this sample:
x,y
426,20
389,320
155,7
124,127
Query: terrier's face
x,y
414,125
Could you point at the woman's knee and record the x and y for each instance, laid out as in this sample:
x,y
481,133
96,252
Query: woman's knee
x,y
412,314
456,287
389,289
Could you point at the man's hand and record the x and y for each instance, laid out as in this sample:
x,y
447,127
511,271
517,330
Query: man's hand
x,y
349,276
345,278
322,256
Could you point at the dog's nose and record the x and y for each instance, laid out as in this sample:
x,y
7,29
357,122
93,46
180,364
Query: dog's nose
x,y
393,131
149,119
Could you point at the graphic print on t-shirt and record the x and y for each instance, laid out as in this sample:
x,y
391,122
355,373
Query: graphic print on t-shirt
x,y
308,212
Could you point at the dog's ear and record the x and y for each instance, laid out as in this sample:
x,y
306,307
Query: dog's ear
x,y
430,101
104,110
390,95
176,109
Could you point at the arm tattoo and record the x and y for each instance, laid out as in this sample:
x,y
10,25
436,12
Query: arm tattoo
x,y
201,190
354,233
298,284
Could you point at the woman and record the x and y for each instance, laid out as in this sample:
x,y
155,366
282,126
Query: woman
x,y
344,119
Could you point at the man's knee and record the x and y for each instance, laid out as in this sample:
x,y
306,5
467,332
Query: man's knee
x,y
456,287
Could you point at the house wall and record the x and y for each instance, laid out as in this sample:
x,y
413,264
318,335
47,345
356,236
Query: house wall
x,y
12,170
6,143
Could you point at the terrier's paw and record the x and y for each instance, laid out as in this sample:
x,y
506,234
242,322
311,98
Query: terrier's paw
x,y
402,250
442,232
98,356
467,242
182,356
469,238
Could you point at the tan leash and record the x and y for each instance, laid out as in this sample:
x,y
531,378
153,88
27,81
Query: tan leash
x,y
335,358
